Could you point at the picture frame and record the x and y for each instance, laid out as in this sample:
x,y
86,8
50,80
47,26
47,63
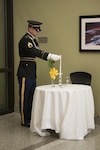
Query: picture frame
x,y
89,33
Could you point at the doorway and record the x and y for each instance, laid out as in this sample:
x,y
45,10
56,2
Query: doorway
x,y
6,57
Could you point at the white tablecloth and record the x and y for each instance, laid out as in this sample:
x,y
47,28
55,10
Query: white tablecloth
x,y
69,110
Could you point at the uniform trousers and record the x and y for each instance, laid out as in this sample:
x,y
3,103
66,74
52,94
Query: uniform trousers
x,y
26,92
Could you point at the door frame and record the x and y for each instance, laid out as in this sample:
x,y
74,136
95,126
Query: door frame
x,y
9,57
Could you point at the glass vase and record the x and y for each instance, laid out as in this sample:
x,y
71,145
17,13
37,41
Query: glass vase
x,y
52,82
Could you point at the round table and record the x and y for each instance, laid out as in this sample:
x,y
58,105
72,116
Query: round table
x,y
67,109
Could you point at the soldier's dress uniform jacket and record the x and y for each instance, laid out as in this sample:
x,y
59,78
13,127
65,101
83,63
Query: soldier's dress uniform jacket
x,y
28,51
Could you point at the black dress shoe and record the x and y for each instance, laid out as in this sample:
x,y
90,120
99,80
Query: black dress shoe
x,y
26,125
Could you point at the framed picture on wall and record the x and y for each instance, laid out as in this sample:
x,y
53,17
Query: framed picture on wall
x,y
89,33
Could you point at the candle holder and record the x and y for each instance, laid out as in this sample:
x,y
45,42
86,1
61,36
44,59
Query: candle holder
x,y
60,79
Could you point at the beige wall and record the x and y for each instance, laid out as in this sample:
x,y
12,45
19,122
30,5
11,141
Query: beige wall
x,y
61,25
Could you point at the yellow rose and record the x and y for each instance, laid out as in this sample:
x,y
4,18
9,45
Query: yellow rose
x,y
53,73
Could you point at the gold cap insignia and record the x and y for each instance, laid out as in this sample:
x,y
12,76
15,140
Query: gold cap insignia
x,y
30,45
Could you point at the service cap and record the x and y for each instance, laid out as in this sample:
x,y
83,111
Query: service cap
x,y
34,24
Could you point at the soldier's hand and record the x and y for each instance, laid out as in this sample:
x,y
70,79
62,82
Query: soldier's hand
x,y
53,57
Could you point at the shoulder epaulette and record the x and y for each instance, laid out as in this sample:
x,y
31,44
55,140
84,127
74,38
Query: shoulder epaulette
x,y
29,37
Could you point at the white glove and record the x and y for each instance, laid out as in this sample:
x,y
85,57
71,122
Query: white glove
x,y
53,57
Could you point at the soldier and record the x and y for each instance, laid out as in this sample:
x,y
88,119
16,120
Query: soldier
x,y
28,51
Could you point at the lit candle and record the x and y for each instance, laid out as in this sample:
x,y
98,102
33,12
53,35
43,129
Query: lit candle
x,y
60,72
